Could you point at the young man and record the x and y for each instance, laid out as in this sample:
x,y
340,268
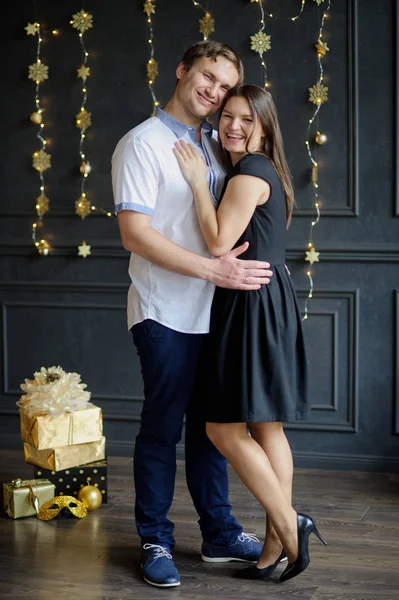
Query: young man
x,y
173,278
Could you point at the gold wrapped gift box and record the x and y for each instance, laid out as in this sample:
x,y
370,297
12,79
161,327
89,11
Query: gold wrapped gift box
x,y
65,457
80,427
24,497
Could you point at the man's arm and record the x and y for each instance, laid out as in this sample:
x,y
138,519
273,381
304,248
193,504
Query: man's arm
x,y
227,271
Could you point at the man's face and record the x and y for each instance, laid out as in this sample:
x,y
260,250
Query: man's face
x,y
201,90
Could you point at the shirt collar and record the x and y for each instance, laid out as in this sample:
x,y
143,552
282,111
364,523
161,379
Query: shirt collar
x,y
181,128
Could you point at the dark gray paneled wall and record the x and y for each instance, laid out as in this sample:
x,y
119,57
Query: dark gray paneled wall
x,y
71,311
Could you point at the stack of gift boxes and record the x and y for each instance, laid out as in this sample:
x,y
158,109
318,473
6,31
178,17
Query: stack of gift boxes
x,y
67,450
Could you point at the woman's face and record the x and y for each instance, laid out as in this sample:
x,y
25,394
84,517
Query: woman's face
x,y
236,127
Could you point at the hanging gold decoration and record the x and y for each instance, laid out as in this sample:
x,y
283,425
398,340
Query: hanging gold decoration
x,y
41,160
318,2
82,207
260,42
32,28
83,119
83,72
320,138
152,69
314,175
42,204
85,168
43,247
207,25
36,117
321,48
84,249
312,256
38,72
82,21
149,8
318,93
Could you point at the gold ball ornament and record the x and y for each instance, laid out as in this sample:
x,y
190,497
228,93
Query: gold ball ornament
x,y
90,496
85,168
36,117
320,138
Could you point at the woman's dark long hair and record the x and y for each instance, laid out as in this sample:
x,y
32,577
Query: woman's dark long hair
x,y
264,111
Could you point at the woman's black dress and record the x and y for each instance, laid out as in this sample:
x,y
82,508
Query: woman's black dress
x,y
256,359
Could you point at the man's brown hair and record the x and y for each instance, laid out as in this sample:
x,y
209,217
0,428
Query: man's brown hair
x,y
213,49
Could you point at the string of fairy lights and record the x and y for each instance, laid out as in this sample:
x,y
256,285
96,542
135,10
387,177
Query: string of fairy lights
x,y
82,22
41,160
152,64
261,42
206,23
318,95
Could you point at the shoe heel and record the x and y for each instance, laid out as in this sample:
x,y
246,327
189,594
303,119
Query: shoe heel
x,y
318,535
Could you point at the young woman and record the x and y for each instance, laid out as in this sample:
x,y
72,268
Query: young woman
x,y
256,360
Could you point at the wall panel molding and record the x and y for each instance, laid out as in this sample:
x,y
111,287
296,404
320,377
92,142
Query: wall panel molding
x,y
350,423
396,361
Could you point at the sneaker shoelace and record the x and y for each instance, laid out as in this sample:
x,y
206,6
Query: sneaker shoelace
x,y
248,537
160,551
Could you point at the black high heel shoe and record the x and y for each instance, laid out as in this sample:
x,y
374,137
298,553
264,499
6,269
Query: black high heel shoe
x,y
253,572
306,526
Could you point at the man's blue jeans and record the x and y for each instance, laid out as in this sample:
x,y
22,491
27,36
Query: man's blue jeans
x,y
170,365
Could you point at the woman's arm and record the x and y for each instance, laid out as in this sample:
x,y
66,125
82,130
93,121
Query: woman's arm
x,y
221,229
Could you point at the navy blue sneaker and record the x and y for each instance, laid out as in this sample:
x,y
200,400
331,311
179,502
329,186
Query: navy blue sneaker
x,y
158,566
246,548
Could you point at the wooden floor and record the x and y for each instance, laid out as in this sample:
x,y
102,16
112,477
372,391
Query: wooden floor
x,y
98,557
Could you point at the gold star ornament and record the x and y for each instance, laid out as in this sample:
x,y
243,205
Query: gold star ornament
x,y
41,160
32,28
149,8
83,120
83,72
38,72
260,42
318,93
312,256
318,2
82,207
84,249
321,48
42,204
207,25
82,21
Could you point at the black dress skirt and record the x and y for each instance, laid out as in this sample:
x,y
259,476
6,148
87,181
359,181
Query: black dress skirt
x,y
256,360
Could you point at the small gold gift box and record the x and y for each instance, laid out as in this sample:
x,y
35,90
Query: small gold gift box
x,y
79,427
25,497
57,459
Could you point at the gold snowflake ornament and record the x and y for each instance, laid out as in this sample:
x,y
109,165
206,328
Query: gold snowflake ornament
x,y
42,204
82,207
38,72
207,25
260,42
84,249
312,256
321,48
32,28
152,69
318,93
83,72
82,21
149,8
41,160
83,119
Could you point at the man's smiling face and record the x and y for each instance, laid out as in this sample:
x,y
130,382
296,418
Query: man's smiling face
x,y
202,89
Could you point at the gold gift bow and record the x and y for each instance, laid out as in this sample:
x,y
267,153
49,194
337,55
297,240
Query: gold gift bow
x,y
22,483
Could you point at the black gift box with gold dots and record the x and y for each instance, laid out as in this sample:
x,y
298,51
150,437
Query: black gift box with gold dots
x,y
69,481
